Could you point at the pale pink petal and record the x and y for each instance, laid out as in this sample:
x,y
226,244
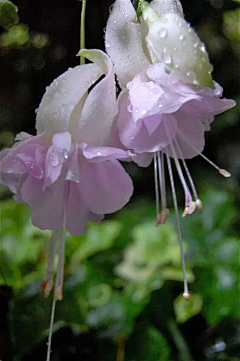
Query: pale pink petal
x,y
46,206
123,41
143,159
189,137
77,212
105,187
100,154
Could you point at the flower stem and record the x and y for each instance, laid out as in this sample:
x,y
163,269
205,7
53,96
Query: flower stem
x,y
82,30
121,348
184,353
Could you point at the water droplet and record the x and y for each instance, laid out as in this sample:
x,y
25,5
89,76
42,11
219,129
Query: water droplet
x,y
175,49
191,76
115,21
129,108
144,112
99,154
196,44
181,37
166,57
137,111
202,48
36,111
65,154
162,33
107,45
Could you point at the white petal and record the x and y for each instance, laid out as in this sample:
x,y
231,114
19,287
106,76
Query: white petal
x,y
100,107
62,97
174,43
167,6
124,42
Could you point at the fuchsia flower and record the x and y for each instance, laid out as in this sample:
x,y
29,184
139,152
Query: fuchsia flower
x,y
66,174
168,99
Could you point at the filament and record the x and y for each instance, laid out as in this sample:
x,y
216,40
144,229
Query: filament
x,y
156,185
186,294
60,272
223,172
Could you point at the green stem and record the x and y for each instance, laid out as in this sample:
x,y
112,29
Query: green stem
x,y
135,3
184,353
82,31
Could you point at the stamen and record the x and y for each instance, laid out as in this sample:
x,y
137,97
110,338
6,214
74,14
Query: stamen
x,y
186,294
47,283
163,215
60,272
198,202
223,172
190,206
156,187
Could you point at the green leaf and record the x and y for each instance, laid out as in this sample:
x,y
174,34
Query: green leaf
x,y
98,238
185,310
30,316
8,14
147,344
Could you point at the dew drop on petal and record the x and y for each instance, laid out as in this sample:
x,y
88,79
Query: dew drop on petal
x,y
162,33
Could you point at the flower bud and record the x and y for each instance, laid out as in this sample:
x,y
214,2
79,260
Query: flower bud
x,y
172,41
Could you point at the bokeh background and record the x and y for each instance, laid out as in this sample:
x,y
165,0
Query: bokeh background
x,y
122,291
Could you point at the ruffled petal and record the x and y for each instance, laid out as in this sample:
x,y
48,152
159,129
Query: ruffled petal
x,y
61,99
21,158
190,136
46,206
100,108
77,212
145,135
100,154
105,186
143,159
123,42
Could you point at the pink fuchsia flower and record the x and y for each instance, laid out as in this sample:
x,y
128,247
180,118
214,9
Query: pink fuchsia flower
x,y
66,174
168,98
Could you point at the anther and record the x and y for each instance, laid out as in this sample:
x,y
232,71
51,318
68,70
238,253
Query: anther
x,y
199,205
162,217
189,209
225,173
186,296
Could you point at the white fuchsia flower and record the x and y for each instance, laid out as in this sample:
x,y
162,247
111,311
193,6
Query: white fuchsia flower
x,y
66,174
168,98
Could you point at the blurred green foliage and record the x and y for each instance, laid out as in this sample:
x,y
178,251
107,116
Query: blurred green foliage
x,y
112,272
8,14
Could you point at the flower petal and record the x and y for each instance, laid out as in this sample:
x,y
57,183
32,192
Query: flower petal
x,y
105,186
143,159
190,136
167,6
78,213
46,206
100,107
63,95
123,42
100,154
174,43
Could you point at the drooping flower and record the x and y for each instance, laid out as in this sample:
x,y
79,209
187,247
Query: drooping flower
x,y
66,174
168,98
